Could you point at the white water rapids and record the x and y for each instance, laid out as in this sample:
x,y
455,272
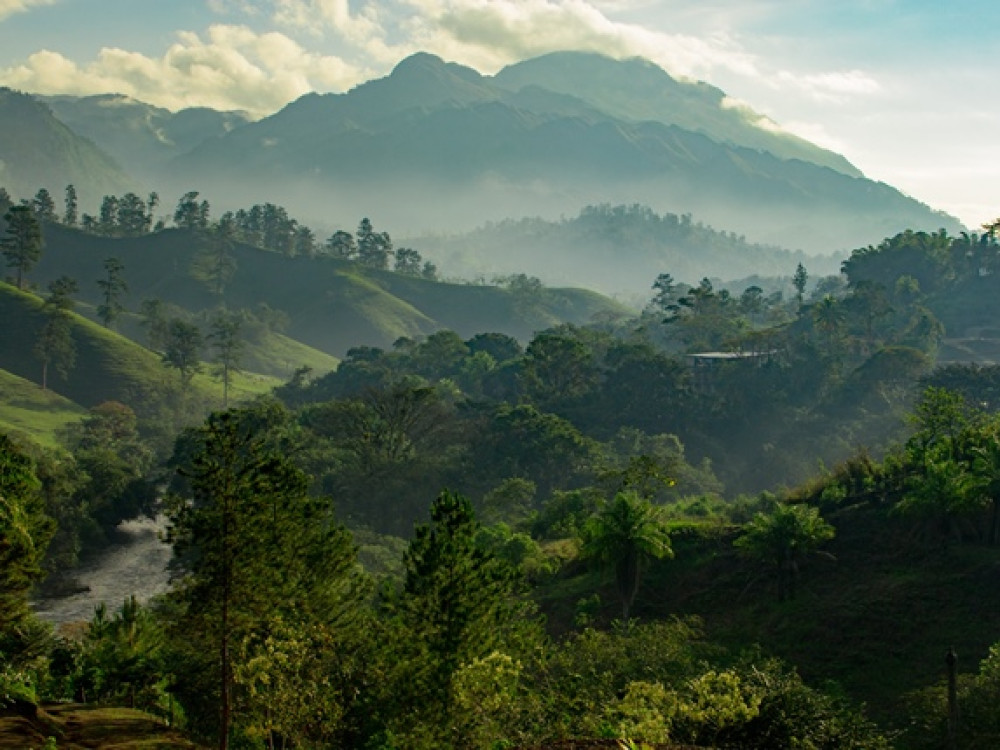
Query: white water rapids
x,y
135,564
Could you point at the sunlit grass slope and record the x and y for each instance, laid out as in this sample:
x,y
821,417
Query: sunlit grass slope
x,y
332,305
108,366
41,415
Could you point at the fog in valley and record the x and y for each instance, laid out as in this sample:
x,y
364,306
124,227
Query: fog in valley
x,y
521,374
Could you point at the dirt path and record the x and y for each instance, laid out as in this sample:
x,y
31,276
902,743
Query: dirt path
x,y
77,727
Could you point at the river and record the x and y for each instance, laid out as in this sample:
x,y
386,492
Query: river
x,y
135,564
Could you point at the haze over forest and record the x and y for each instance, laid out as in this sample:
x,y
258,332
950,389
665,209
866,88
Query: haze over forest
x,y
496,381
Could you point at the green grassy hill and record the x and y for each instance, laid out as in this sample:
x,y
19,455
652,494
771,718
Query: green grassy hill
x,y
108,365
332,305
279,356
41,415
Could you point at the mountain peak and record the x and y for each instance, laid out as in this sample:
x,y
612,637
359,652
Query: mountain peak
x,y
417,61
425,64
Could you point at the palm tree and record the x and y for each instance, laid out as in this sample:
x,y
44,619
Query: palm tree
x,y
625,535
986,478
828,314
783,538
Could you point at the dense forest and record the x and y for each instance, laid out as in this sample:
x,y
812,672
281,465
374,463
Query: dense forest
x,y
710,522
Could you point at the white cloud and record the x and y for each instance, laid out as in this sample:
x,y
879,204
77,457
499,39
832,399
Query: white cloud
x,y
10,7
488,34
835,88
333,15
234,7
235,68
810,131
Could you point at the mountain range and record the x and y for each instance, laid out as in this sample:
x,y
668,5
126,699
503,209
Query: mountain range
x,y
438,147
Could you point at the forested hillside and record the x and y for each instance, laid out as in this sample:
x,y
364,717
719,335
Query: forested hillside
x,y
505,515
369,305
617,250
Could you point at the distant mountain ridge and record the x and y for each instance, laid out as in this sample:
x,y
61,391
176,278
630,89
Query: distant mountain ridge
x,y
637,90
436,144
438,147
37,150
141,136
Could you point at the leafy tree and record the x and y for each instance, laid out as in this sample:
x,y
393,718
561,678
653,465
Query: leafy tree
x,y
72,213
521,441
665,300
44,206
22,241
54,345
190,213
919,255
752,302
112,287
799,281
937,494
439,356
985,475
253,547
305,242
182,348
559,367
108,216
940,417
705,318
509,502
122,657
302,681
783,538
625,535
828,316
459,603
215,264
408,261
114,461
500,346
341,244
278,229
25,532
24,535
225,337
133,218
374,248
154,320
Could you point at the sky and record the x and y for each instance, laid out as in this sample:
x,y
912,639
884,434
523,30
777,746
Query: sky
x,y
905,89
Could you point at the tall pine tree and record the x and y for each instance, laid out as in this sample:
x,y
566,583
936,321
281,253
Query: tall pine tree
x,y
254,548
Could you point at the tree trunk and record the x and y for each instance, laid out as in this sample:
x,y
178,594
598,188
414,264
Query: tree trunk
x,y
627,578
995,523
224,729
224,645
